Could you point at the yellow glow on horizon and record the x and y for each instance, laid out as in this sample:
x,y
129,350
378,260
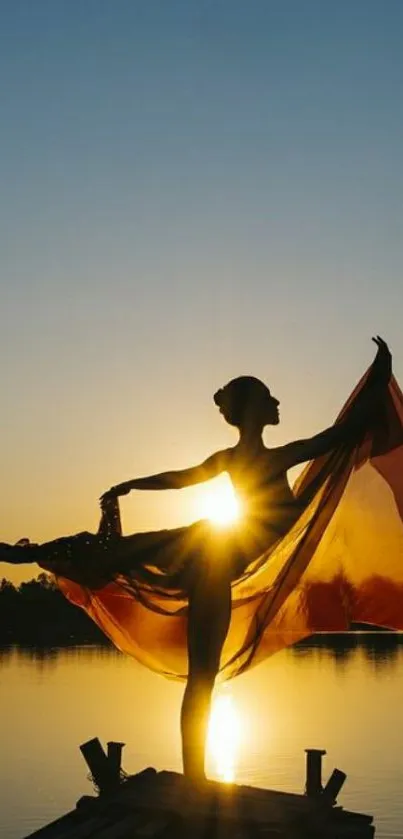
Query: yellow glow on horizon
x,y
224,736
220,505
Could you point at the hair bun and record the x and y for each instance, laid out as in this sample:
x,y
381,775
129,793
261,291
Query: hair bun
x,y
218,397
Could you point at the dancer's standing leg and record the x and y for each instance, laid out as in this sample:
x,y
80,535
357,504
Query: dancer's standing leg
x,y
208,623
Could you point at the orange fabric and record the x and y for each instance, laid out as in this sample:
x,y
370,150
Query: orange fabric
x,y
342,561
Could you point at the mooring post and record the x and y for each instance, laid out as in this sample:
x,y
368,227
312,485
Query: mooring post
x,y
334,785
102,770
115,756
313,785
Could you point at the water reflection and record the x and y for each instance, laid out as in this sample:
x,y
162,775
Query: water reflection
x,y
224,736
48,656
382,649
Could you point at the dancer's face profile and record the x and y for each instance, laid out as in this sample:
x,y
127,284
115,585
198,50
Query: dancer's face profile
x,y
247,402
272,410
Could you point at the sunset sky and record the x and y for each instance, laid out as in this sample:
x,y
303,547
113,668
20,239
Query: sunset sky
x,y
191,190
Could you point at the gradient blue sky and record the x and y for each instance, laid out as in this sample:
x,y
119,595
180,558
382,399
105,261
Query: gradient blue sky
x,y
190,191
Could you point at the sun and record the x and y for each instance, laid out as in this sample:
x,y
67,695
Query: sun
x,y
220,505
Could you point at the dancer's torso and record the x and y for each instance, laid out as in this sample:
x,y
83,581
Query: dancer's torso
x,y
261,484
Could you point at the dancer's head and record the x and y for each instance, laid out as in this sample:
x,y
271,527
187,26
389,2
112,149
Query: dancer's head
x,y
246,402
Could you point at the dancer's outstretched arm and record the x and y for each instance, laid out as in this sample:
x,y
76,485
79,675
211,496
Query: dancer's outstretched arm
x,y
210,468
351,428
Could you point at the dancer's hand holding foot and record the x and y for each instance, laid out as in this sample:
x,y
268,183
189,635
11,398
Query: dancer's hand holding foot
x,y
115,492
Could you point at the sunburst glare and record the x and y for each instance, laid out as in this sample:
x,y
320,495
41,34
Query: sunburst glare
x,y
224,736
220,505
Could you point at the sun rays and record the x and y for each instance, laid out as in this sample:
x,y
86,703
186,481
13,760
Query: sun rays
x,y
220,505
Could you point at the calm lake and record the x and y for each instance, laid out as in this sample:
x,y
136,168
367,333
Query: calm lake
x,y
346,697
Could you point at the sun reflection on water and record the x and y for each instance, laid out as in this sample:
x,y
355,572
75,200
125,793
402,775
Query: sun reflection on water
x,y
224,737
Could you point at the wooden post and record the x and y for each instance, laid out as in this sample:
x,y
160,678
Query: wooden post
x,y
101,769
313,785
334,785
115,756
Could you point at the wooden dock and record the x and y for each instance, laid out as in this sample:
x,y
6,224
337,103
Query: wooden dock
x,y
165,805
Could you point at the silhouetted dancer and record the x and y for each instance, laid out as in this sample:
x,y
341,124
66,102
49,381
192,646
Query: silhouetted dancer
x,y
196,559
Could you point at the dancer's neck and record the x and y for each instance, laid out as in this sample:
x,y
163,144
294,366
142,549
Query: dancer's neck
x,y
250,437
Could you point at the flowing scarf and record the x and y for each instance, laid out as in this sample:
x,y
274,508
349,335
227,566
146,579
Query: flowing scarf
x,y
341,562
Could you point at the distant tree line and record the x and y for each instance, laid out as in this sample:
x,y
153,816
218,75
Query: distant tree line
x,y
36,612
